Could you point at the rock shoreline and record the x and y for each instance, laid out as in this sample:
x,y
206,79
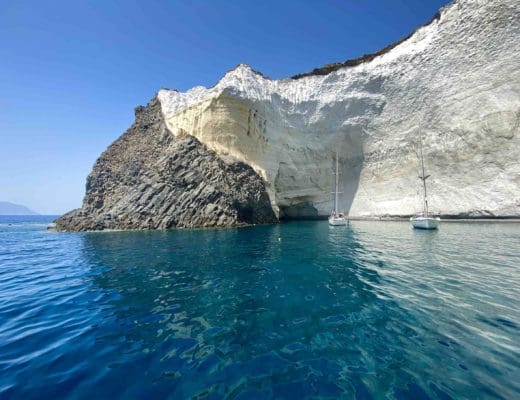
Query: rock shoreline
x,y
250,150
150,179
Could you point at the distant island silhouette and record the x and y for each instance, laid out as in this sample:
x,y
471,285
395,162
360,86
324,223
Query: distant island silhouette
x,y
7,208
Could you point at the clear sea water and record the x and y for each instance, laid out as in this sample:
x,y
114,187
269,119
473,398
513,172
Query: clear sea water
x,y
290,311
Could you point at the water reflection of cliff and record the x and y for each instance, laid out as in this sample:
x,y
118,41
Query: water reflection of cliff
x,y
253,310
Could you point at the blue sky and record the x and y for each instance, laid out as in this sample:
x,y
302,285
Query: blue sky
x,y
71,72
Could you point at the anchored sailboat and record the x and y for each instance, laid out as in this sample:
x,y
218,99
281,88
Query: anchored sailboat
x,y
424,220
336,217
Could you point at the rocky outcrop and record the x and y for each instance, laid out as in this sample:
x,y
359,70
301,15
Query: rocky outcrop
x,y
457,77
251,149
150,179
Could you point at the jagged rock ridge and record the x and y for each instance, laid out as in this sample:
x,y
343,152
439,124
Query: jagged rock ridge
x,y
149,179
328,68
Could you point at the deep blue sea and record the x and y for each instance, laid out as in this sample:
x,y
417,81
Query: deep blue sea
x,y
289,311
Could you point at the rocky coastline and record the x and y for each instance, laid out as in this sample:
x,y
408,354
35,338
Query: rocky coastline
x,y
150,179
254,150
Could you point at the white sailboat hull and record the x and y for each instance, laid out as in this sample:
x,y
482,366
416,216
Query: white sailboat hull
x,y
425,222
337,221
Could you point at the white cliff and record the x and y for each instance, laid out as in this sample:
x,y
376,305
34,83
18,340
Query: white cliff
x,y
460,75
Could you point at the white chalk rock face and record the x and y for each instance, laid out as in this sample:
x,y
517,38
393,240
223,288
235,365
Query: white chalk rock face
x,y
458,77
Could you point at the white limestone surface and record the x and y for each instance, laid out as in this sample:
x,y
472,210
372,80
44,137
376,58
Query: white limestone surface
x,y
458,77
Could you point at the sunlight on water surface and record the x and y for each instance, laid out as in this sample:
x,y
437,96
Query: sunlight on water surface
x,y
301,309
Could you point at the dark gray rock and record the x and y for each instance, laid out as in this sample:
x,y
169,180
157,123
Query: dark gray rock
x,y
150,179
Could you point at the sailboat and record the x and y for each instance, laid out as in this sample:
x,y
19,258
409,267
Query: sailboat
x,y
424,220
336,217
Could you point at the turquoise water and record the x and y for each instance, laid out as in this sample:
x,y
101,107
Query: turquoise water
x,y
373,310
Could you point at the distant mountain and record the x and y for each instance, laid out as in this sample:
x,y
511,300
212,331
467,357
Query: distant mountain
x,y
7,208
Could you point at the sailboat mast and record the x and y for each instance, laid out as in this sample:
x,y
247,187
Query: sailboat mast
x,y
423,176
336,186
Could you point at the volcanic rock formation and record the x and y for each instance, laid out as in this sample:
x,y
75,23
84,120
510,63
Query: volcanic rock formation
x,y
149,179
458,78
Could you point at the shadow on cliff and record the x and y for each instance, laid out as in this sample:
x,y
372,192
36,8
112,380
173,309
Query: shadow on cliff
x,y
348,145
351,158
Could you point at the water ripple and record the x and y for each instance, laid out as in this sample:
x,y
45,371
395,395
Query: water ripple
x,y
297,310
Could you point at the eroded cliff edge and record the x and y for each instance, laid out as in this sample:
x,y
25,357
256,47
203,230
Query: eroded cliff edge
x,y
457,77
455,82
150,179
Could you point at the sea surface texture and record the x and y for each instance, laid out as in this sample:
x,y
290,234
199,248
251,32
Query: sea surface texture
x,y
290,311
